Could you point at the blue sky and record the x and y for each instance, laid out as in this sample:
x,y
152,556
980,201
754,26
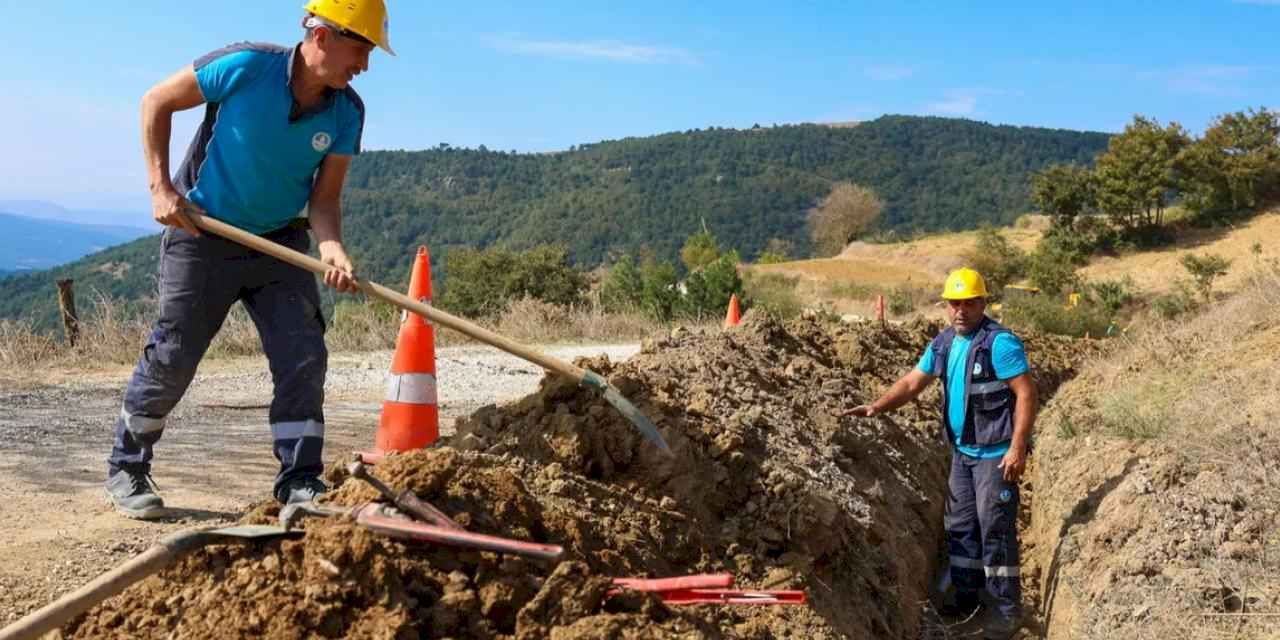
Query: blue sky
x,y
537,76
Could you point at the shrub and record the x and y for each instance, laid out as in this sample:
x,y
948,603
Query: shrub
x,y
1175,303
1052,270
623,288
480,283
1047,314
1111,295
1204,270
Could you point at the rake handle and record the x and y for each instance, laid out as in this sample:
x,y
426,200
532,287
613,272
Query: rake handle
x,y
304,261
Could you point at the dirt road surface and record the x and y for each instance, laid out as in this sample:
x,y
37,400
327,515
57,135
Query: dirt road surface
x,y
56,529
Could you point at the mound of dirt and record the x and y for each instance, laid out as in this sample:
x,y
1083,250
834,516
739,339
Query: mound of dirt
x,y
765,483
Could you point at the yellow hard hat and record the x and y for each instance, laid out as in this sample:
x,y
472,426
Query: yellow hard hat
x,y
963,284
368,18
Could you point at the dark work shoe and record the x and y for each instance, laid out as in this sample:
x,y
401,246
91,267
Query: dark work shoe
x,y
961,609
1000,627
301,490
133,494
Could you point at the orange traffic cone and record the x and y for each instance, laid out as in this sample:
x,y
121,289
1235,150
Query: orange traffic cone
x,y
410,417
733,317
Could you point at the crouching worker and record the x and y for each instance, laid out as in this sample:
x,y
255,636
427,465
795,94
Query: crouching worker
x,y
988,408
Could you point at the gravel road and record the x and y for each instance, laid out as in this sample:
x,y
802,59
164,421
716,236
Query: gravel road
x,y
57,531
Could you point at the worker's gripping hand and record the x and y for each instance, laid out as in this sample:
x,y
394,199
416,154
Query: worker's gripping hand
x,y
860,411
341,274
169,208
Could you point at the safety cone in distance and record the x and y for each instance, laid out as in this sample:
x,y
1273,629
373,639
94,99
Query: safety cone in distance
x,y
734,316
410,415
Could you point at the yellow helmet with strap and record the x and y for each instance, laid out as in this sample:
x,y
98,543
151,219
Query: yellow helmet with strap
x,y
963,284
367,18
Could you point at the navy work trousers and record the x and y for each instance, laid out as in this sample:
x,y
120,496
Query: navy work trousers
x,y
982,533
200,278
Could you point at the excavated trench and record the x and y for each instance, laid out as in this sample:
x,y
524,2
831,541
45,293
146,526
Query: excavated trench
x,y
764,483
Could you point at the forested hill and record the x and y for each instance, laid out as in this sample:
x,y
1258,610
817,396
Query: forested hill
x,y
617,196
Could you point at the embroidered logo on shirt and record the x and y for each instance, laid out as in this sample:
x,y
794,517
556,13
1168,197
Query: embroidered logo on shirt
x,y
321,141
977,368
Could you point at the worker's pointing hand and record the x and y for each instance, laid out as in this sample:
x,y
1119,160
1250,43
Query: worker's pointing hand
x,y
341,275
169,208
860,411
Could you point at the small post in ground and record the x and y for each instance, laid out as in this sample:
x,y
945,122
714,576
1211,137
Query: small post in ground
x,y
67,305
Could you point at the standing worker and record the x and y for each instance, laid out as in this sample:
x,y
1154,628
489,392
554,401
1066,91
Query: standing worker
x,y
988,408
281,125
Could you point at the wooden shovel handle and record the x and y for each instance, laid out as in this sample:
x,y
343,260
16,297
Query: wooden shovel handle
x,y
304,261
64,609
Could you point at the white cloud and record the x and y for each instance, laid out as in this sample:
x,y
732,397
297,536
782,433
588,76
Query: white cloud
x,y
1208,80
889,71
595,50
955,103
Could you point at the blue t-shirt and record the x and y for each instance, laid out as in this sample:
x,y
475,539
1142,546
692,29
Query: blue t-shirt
x,y
254,160
1010,361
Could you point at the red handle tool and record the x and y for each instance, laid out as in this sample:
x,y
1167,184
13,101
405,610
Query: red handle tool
x,y
731,596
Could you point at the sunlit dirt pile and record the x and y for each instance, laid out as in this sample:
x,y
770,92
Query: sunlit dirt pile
x,y
765,483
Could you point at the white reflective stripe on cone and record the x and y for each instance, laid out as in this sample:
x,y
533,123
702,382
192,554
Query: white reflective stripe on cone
x,y
140,424
966,563
412,388
297,429
1001,572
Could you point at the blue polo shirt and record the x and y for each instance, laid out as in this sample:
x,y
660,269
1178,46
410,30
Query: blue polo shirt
x,y
1010,361
254,158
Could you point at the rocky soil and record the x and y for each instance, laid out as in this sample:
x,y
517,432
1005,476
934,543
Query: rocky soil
x,y
764,483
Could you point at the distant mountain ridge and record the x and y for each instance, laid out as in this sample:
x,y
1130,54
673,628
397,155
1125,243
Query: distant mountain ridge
x,y
645,194
29,244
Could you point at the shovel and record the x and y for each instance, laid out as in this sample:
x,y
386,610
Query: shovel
x,y
581,376
164,553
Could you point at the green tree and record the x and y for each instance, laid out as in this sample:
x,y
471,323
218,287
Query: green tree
x,y
776,250
1063,192
700,250
659,295
999,262
707,291
1236,165
1136,175
1204,270
623,288
844,213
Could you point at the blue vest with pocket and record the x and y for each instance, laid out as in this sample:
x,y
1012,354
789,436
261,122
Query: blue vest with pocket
x,y
990,403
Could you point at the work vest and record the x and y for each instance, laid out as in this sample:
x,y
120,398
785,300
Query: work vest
x,y
988,418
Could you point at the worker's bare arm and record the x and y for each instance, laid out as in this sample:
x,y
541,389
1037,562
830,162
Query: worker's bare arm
x,y
906,389
178,92
1024,417
325,211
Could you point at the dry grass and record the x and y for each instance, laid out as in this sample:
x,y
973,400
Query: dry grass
x,y
1199,391
113,333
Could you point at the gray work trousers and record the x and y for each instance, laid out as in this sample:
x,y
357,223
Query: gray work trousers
x,y
200,278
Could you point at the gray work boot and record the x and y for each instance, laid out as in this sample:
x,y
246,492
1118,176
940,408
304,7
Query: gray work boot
x,y
133,493
301,490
